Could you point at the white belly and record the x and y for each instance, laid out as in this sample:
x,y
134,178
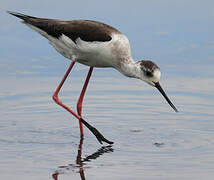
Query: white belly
x,y
96,54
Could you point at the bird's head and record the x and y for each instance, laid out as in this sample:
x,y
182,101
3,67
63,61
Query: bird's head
x,y
150,73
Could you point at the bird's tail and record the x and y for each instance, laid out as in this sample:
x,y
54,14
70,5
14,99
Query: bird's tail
x,y
40,25
24,17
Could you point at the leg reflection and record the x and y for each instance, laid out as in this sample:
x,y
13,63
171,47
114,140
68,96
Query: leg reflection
x,y
80,162
79,159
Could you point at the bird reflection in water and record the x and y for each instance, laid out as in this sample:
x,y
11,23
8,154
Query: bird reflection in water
x,y
80,162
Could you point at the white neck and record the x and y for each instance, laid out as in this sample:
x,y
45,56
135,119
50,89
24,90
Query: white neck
x,y
130,69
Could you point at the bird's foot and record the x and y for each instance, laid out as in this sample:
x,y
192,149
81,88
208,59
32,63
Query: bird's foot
x,y
98,135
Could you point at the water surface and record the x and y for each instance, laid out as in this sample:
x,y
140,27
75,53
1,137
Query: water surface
x,y
40,140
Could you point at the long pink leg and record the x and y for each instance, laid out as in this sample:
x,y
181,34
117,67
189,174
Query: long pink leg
x,y
98,135
56,99
80,100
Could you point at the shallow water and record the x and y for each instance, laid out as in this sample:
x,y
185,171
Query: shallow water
x,y
40,140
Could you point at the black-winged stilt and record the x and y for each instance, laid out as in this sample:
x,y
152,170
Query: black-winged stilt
x,y
94,44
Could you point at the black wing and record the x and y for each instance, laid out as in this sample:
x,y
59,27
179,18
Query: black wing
x,y
87,30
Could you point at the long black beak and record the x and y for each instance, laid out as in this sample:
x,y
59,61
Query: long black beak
x,y
158,86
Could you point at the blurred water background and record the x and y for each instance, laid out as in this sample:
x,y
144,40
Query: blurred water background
x,y
40,140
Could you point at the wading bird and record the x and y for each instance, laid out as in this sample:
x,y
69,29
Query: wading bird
x,y
94,44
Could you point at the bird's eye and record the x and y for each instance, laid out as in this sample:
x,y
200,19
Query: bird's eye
x,y
148,73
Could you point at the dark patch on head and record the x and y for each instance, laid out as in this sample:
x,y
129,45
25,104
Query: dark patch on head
x,y
148,67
